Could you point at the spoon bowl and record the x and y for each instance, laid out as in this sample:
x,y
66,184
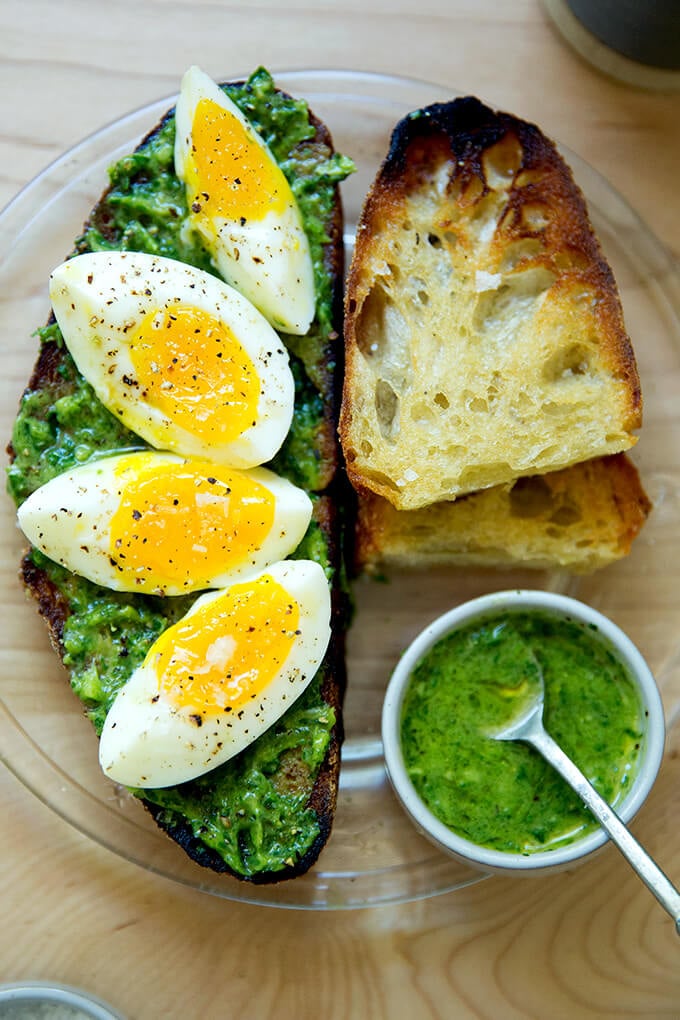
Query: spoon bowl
x,y
529,720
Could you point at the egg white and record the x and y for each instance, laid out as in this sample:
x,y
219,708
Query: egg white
x,y
98,299
148,742
69,519
269,259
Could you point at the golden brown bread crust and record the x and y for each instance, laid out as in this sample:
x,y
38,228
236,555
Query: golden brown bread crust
x,y
580,518
54,609
469,157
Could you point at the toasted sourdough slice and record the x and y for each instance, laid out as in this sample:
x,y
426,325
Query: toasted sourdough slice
x,y
580,518
266,814
484,333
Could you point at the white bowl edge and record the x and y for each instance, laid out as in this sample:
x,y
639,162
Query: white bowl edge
x,y
471,853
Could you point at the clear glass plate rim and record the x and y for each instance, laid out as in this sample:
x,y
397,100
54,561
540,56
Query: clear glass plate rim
x,y
315,74
15,207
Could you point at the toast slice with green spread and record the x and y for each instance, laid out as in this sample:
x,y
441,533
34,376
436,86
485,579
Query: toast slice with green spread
x,y
266,814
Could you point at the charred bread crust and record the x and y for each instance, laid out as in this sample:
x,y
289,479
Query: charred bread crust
x,y
54,608
475,143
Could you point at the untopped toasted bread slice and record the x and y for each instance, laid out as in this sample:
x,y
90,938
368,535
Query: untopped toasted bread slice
x,y
484,334
580,518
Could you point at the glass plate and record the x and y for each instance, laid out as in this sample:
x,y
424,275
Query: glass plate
x,y
374,856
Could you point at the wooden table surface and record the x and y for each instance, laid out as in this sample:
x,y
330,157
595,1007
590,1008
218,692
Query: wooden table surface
x,y
589,943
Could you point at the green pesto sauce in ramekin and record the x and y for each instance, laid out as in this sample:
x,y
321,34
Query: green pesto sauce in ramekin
x,y
474,681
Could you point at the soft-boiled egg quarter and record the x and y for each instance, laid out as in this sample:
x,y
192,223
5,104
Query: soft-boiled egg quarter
x,y
216,680
181,358
242,205
156,523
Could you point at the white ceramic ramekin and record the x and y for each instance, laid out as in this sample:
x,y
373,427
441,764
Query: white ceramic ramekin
x,y
485,858
33,999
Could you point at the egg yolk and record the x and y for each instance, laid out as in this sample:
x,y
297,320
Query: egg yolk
x,y
233,177
227,652
182,524
194,370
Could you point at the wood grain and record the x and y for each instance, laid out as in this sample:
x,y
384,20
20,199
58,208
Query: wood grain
x,y
591,943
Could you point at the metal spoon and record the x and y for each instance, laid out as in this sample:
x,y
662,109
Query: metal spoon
x,y
529,728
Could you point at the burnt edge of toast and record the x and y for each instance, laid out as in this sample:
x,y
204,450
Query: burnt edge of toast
x,y
461,131
54,609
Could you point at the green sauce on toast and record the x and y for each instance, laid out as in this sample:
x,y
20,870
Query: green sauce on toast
x,y
253,815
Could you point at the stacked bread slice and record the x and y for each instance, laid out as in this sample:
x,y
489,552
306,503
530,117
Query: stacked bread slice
x,y
490,385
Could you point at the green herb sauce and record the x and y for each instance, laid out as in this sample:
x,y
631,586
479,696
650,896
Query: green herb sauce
x,y
473,682
252,810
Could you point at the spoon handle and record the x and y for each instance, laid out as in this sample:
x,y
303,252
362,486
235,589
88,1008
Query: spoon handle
x,y
650,873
